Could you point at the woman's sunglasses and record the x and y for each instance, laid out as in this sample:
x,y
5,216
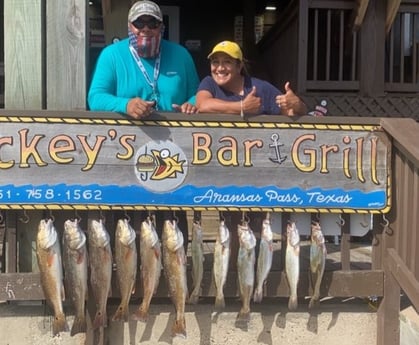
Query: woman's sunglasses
x,y
152,23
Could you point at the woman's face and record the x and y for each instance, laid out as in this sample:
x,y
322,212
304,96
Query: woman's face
x,y
224,68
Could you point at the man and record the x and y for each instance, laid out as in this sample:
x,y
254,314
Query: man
x,y
144,72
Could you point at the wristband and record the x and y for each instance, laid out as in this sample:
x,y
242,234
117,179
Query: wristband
x,y
241,108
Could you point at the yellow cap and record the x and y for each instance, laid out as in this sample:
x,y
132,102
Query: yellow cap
x,y
228,47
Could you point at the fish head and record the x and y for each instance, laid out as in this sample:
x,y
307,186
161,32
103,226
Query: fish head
x,y
246,237
98,235
148,233
224,233
124,232
172,235
197,230
293,237
47,234
267,230
74,237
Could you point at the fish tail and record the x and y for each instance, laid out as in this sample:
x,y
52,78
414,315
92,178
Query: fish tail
x,y
193,298
258,295
121,313
140,314
179,328
59,324
243,316
79,325
220,302
313,302
293,303
100,319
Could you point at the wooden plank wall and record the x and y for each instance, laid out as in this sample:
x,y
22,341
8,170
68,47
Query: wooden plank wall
x,y
23,54
66,54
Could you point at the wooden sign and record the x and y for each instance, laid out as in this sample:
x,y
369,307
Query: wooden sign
x,y
155,164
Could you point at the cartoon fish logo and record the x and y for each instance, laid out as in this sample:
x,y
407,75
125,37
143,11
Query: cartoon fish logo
x,y
167,166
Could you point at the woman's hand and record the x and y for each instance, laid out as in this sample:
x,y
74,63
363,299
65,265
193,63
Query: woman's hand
x,y
186,108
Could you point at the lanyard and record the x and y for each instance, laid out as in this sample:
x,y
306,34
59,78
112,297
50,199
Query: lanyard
x,y
153,84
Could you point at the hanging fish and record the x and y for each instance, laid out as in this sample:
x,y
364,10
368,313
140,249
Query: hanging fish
x,y
264,262
100,255
174,263
292,263
221,261
318,253
197,251
126,266
75,261
48,253
150,256
246,268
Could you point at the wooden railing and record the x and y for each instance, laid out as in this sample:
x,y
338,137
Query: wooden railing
x,y
400,251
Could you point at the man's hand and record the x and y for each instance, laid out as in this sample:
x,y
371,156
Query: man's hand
x,y
137,108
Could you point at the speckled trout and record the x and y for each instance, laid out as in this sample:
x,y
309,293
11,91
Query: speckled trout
x,y
264,262
197,250
292,263
174,263
246,269
100,255
48,253
221,261
126,266
318,255
75,262
150,256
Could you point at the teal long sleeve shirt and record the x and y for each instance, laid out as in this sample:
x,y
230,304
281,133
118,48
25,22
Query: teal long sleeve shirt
x,y
117,78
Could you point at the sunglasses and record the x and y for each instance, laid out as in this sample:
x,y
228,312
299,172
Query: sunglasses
x,y
152,23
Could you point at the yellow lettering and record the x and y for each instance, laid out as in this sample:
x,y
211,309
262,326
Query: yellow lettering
x,y
29,150
311,153
91,153
11,163
201,148
61,144
248,145
124,141
227,155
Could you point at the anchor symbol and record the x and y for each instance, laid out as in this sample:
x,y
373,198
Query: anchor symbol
x,y
276,144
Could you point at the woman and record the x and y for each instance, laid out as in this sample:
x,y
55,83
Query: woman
x,y
231,90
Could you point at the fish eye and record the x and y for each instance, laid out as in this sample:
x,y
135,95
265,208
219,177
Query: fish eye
x,y
164,153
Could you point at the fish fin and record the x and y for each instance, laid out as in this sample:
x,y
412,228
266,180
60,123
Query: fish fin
x,y
179,328
50,257
140,315
79,325
258,295
80,257
156,252
100,319
59,324
121,314
219,302
293,303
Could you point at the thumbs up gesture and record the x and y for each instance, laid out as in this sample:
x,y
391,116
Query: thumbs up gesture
x,y
290,103
252,103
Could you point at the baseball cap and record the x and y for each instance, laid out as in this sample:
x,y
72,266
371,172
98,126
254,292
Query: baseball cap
x,y
144,8
228,47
